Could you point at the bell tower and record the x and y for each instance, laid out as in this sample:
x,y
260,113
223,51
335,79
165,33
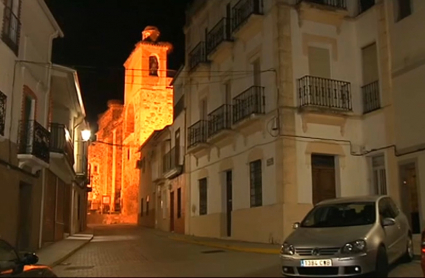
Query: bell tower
x,y
148,106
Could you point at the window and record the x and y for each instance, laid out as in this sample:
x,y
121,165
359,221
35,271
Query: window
x,y
141,207
365,5
227,93
147,205
386,210
143,165
256,68
179,202
256,183
204,109
379,175
3,103
128,154
203,197
11,24
404,9
153,66
96,169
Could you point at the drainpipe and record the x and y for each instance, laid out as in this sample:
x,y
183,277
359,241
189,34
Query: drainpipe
x,y
46,119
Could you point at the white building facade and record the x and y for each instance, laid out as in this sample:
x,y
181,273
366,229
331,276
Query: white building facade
x,y
288,103
27,31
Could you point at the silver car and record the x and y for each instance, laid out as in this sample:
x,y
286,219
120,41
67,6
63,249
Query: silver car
x,y
348,237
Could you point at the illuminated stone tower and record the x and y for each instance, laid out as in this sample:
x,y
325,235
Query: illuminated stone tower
x,y
148,106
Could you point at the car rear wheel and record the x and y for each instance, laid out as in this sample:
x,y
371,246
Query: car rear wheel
x,y
381,269
408,256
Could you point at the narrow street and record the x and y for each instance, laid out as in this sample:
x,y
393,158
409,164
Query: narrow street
x,y
128,251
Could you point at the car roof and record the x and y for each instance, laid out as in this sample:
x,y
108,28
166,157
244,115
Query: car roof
x,y
367,198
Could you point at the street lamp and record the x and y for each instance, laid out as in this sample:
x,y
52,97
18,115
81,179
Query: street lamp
x,y
86,134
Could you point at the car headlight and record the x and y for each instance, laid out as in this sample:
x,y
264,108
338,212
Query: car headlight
x,y
287,249
357,246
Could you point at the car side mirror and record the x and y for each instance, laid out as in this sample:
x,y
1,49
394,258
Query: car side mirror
x,y
388,222
296,225
30,258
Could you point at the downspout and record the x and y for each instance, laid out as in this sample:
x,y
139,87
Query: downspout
x,y
46,119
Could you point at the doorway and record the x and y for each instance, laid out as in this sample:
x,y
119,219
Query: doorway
x,y
229,206
172,211
323,176
24,220
409,196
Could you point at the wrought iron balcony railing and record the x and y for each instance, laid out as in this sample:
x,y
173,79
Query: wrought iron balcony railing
x,y
197,56
171,159
59,143
34,139
220,33
371,97
197,133
11,29
339,4
250,101
219,119
3,104
243,10
324,93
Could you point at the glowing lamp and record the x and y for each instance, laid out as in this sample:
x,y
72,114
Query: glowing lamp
x,y
86,134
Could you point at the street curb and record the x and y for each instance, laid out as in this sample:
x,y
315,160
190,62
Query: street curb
x,y
229,247
59,261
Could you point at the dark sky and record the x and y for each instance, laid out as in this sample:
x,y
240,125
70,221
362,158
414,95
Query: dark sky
x,y
101,34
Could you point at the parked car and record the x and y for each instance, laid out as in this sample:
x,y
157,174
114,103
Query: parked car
x,y
348,237
423,252
14,265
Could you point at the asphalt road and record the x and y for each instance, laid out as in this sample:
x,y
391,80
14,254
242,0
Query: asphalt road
x,y
128,251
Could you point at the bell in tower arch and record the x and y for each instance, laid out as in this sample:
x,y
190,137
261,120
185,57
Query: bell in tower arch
x,y
153,66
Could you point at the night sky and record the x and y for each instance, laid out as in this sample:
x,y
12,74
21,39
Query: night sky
x,y
101,34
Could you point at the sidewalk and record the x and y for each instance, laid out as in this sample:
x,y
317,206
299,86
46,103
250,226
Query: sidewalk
x,y
58,252
229,244
250,247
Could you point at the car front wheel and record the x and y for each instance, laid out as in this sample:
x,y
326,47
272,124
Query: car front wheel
x,y
381,269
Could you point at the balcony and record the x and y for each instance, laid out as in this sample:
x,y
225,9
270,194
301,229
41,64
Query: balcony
x,y
219,39
246,18
82,170
219,123
172,166
197,136
338,4
330,12
61,146
197,56
371,97
248,104
33,146
324,94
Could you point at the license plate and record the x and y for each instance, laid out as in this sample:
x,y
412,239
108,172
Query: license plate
x,y
312,263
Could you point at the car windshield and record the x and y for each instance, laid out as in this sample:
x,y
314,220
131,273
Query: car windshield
x,y
341,215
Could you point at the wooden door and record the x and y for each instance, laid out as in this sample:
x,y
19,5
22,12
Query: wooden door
x,y
229,205
323,176
172,211
409,196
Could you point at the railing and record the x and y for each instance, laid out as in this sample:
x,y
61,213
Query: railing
x,y
250,101
371,98
218,34
59,143
34,139
324,93
11,29
171,159
197,56
340,4
197,133
219,119
178,107
243,10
